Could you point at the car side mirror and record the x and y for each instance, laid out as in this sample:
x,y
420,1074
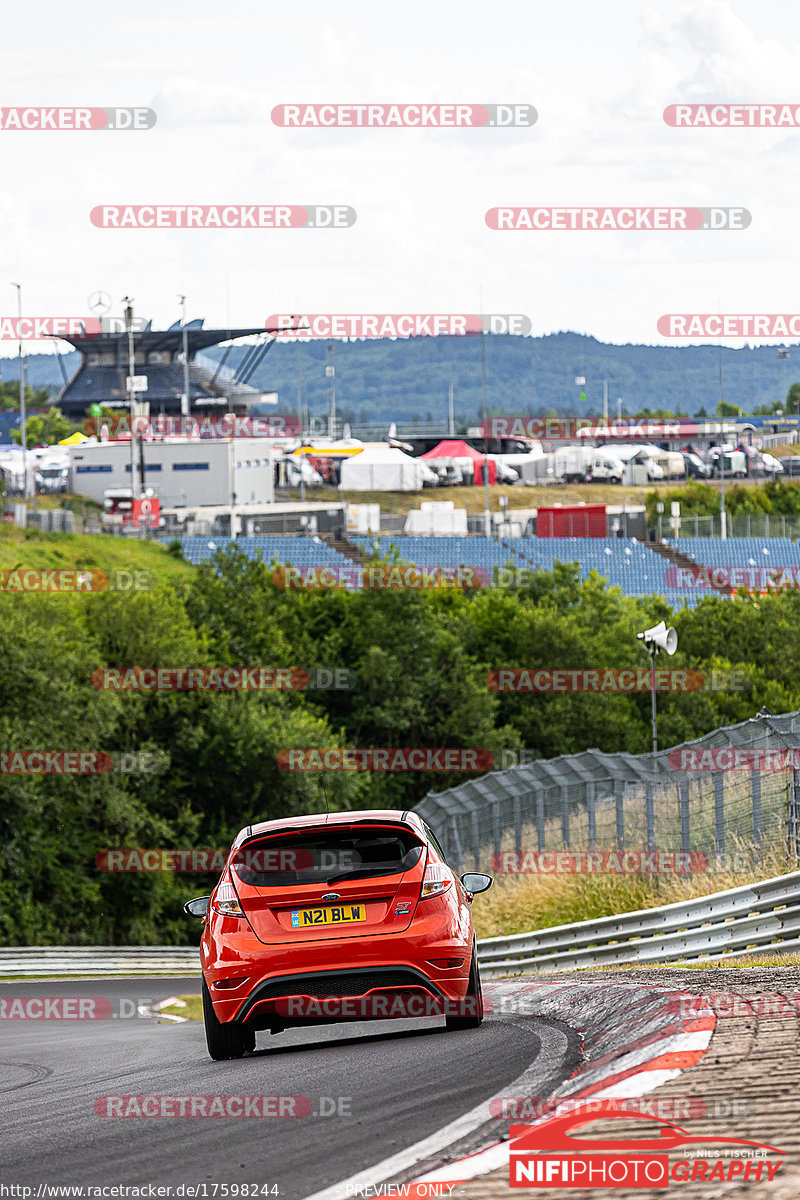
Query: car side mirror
x,y
197,907
476,881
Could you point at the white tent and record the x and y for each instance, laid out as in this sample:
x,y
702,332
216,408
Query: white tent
x,y
382,469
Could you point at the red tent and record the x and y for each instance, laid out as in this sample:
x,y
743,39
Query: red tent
x,y
454,449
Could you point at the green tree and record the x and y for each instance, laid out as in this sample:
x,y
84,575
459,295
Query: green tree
x,y
793,399
46,430
9,396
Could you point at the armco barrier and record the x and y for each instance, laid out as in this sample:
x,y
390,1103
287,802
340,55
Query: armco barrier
x,y
99,960
760,916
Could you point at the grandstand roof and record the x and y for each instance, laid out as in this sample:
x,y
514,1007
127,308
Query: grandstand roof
x,y
171,339
101,377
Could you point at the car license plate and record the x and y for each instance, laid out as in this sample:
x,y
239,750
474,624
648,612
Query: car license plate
x,y
339,914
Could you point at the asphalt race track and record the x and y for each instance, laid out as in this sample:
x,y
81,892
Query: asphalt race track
x,y
389,1083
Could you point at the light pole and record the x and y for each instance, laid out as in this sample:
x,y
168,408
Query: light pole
x,y
658,638
330,371
487,514
580,381
783,354
185,396
23,427
128,302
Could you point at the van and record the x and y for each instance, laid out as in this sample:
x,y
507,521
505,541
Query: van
x,y
582,464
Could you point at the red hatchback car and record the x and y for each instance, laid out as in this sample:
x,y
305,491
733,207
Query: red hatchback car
x,y
344,916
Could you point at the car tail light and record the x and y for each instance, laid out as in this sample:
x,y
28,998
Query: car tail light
x,y
226,902
436,881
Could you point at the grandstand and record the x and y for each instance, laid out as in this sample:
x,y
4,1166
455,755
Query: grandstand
x,y
626,563
293,551
101,377
630,565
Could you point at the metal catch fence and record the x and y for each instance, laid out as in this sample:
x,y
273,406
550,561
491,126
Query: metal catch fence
x,y
670,801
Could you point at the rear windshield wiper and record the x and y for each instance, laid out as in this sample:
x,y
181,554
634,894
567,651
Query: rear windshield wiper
x,y
364,874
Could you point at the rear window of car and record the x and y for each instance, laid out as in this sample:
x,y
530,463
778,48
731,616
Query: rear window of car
x,y
327,856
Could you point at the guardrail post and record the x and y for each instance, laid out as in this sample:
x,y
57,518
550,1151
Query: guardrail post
x,y
619,811
591,815
565,815
683,807
719,812
540,835
650,817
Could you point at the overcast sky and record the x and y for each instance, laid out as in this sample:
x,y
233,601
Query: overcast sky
x,y
599,75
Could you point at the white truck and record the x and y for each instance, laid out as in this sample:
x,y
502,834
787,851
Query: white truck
x,y
586,463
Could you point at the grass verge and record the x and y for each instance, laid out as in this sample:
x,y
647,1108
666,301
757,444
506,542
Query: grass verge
x,y
191,1008
35,549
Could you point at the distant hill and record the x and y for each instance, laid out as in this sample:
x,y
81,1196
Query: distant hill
x,y
407,380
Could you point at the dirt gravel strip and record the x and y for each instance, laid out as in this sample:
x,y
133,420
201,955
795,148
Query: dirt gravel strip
x,y
749,1080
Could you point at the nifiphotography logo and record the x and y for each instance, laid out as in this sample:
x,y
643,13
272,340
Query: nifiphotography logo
x,y
549,1155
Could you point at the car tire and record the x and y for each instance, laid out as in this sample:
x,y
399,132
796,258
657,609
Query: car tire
x,y
224,1040
474,995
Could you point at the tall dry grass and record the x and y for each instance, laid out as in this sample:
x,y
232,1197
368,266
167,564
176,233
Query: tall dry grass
x,y
519,904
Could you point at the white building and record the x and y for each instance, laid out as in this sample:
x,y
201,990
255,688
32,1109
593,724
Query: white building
x,y
181,473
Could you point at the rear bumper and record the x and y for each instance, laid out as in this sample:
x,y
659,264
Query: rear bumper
x,y
318,983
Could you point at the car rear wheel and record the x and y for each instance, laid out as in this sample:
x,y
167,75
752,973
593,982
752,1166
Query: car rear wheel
x,y
224,1041
472,1002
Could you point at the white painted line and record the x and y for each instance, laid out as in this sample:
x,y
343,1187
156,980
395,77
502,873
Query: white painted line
x,y
406,1159
497,1156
